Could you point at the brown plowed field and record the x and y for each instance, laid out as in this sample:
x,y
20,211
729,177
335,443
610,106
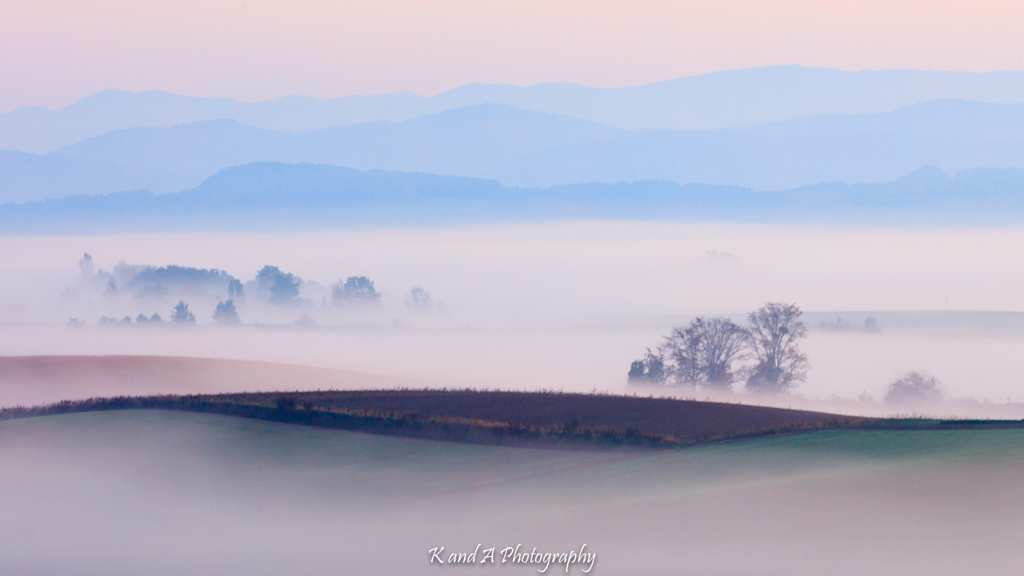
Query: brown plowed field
x,y
35,380
683,420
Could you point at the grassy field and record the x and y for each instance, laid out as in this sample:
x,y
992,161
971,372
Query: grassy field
x,y
163,492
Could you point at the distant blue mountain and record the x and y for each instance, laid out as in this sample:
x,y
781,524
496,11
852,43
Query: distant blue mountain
x,y
703,102
475,141
954,135
532,149
936,118
271,196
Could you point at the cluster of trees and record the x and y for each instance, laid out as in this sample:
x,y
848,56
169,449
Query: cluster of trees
x,y
840,325
179,315
283,289
275,286
226,314
156,281
355,291
714,353
271,285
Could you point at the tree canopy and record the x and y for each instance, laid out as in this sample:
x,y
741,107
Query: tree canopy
x,y
355,290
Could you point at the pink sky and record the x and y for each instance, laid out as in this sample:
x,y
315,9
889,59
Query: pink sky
x,y
55,51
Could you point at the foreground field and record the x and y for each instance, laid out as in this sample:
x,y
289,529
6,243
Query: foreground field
x,y
160,492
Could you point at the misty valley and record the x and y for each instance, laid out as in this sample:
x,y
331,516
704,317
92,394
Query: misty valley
x,y
759,321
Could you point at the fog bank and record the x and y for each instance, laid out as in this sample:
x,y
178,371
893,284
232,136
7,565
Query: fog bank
x,y
560,305
171,493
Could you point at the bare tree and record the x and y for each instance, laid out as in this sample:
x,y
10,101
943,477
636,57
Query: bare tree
x,y
914,387
683,347
704,352
775,331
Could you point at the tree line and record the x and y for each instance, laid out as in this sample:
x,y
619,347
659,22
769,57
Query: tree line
x,y
714,353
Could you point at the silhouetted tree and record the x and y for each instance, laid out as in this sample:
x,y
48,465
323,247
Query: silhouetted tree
x,y
648,370
182,315
775,331
108,321
355,290
235,291
914,387
704,352
871,325
683,349
86,266
418,299
225,313
280,289
284,290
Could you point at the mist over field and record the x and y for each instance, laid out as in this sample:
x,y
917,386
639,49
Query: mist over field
x,y
680,288
564,306
170,493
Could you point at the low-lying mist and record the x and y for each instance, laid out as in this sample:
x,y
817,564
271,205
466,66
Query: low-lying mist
x,y
157,492
560,305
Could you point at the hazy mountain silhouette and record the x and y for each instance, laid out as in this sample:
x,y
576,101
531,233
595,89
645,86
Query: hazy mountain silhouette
x,y
532,149
937,117
271,196
953,135
703,102
472,141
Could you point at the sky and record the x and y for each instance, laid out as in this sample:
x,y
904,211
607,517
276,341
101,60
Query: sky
x,y
53,52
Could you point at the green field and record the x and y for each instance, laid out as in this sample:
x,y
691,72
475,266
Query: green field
x,y
162,492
